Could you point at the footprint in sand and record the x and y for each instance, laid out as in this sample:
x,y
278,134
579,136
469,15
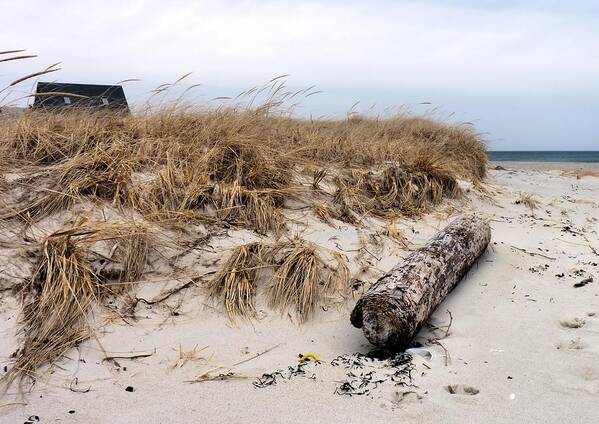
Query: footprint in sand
x,y
399,398
573,344
461,389
588,374
572,323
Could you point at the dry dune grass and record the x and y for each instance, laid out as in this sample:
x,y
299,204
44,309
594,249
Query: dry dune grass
x,y
236,280
19,55
68,278
409,189
101,173
394,233
299,275
237,165
55,304
304,278
529,200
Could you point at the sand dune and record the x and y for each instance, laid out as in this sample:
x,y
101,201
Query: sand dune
x,y
523,345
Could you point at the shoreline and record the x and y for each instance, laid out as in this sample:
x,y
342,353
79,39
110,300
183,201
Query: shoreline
x,y
544,166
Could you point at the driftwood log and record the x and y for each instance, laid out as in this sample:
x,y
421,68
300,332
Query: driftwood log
x,y
392,311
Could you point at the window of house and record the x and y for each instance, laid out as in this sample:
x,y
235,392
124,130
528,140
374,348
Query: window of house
x,y
67,100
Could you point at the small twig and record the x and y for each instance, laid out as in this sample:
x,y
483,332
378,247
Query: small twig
x,y
371,254
230,375
136,356
595,251
166,295
447,356
256,355
533,253
571,242
449,325
193,245
205,374
171,292
219,377
161,280
346,250
434,327
13,403
76,381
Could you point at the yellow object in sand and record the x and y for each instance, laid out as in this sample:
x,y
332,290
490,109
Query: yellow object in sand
x,y
309,356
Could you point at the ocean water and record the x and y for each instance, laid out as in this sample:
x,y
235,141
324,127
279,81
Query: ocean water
x,y
547,156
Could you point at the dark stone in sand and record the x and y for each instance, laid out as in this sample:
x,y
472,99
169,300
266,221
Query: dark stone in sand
x,y
584,282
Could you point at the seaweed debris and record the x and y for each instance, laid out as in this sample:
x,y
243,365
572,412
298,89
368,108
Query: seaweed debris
x,y
366,372
369,371
270,379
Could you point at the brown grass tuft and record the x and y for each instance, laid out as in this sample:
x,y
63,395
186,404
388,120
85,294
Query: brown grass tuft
x,y
65,283
251,208
101,174
408,190
302,279
236,281
251,164
56,301
529,200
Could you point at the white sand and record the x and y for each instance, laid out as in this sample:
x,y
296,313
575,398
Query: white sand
x,y
506,339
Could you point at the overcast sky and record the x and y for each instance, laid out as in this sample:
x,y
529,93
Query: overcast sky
x,y
526,73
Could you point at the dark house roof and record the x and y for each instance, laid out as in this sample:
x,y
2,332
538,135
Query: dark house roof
x,y
93,96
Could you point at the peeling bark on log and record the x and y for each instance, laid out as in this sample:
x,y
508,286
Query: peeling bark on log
x,y
397,305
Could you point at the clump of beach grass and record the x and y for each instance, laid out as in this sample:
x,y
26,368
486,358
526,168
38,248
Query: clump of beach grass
x,y
409,190
251,208
178,191
99,174
324,212
303,278
298,274
529,200
130,243
56,301
236,281
64,285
